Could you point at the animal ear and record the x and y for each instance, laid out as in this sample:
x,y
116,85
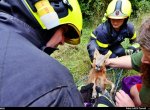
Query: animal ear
x,y
107,55
96,52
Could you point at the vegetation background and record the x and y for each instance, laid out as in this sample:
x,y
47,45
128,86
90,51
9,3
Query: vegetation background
x,y
76,58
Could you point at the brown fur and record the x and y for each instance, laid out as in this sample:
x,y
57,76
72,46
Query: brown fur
x,y
98,77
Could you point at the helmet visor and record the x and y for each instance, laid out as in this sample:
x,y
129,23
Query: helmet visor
x,y
71,35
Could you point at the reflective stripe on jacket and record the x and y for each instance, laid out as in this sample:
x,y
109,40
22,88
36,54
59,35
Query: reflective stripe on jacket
x,y
104,37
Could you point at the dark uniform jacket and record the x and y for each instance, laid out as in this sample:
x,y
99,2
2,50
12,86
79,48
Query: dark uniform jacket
x,y
28,76
105,38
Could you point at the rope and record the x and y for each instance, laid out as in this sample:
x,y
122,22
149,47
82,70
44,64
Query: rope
x,y
117,74
118,80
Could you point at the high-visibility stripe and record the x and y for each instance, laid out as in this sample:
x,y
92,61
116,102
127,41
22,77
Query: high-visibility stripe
x,y
134,36
92,35
102,44
107,103
102,105
99,43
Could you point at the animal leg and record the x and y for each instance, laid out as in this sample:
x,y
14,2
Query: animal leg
x,y
94,93
112,86
102,84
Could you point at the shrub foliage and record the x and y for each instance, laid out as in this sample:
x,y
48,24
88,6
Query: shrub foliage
x,y
95,9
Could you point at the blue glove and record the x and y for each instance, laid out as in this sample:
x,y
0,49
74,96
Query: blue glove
x,y
132,49
129,51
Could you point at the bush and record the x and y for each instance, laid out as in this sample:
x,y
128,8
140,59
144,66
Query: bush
x,y
140,6
93,10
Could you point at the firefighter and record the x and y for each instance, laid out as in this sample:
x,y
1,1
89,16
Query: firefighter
x,y
109,35
30,30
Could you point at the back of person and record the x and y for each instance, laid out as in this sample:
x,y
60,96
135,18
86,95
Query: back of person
x,y
30,77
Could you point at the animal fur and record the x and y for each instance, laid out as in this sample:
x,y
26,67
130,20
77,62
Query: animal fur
x,y
97,74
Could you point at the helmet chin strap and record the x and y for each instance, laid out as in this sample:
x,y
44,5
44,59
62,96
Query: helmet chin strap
x,y
49,50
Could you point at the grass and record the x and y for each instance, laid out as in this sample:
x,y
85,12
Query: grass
x,y
76,58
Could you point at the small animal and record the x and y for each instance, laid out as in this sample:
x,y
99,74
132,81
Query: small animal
x,y
97,74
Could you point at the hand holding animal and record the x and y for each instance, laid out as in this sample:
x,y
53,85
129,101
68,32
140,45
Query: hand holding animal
x,y
97,74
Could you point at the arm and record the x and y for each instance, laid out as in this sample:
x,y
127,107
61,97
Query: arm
x,y
91,48
97,40
120,62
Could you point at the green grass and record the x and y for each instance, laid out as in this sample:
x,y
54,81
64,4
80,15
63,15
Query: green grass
x,y
76,58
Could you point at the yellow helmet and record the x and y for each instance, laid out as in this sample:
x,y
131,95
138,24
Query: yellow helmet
x,y
52,13
119,9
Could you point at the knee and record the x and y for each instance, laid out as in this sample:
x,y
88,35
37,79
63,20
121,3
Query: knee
x,y
133,91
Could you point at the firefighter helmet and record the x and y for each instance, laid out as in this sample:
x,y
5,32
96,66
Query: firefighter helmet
x,y
61,12
119,9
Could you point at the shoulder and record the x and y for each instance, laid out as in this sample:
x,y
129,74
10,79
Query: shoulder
x,y
102,31
103,27
130,27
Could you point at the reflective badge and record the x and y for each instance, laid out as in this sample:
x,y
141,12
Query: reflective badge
x,y
117,13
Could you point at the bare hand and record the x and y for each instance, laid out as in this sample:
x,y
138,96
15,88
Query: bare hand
x,y
123,99
107,62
